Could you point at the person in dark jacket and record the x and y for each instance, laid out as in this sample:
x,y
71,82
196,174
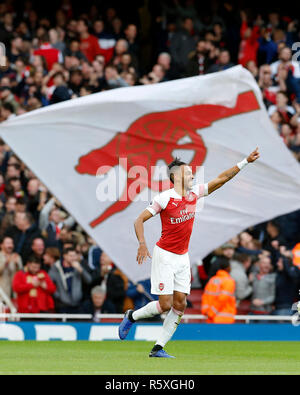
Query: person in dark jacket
x,y
183,43
272,239
23,232
106,274
287,285
223,62
198,62
116,289
98,304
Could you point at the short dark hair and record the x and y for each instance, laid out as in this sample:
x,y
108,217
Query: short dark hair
x,y
283,93
37,238
20,201
224,263
53,252
45,37
84,21
17,166
176,163
8,107
69,249
242,257
33,259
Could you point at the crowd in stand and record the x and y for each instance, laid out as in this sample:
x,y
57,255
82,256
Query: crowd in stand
x,y
47,262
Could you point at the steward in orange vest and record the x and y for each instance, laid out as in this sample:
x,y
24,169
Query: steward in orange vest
x,y
296,255
218,300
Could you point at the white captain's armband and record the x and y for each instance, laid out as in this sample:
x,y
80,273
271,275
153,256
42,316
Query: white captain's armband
x,y
242,164
154,207
159,203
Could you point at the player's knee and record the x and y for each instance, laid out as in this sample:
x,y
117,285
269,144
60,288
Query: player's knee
x,y
165,305
180,305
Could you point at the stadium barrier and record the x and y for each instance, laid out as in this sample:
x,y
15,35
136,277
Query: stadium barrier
x,y
87,317
16,330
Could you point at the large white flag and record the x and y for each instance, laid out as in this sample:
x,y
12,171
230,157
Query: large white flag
x,y
214,121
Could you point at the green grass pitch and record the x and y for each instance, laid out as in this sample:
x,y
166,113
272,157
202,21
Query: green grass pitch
x,y
109,358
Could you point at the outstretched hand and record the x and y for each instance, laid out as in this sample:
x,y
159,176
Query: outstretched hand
x,y
253,156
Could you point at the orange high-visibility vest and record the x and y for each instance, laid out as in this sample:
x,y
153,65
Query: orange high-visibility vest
x,y
218,300
296,255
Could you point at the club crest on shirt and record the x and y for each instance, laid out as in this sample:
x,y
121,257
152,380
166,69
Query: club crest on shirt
x,y
161,286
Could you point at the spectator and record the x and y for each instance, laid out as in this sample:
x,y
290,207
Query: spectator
x,y
183,43
218,300
282,107
285,59
239,268
94,254
7,111
116,282
113,79
51,256
199,61
98,304
249,41
89,44
272,238
165,60
10,264
223,254
52,55
122,48
268,88
38,250
34,289
36,197
287,286
263,284
51,222
267,50
131,37
56,40
9,208
157,75
7,27
68,276
223,62
61,91
7,97
23,232
248,245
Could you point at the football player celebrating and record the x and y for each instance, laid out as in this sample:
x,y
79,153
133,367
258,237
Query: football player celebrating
x,y
170,268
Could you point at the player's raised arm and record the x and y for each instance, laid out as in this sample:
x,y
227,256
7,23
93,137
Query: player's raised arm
x,y
229,174
143,252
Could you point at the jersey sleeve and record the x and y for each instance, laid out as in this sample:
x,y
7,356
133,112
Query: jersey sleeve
x,y
158,204
200,190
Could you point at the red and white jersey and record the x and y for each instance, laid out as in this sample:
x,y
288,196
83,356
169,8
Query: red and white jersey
x,y
177,215
52,55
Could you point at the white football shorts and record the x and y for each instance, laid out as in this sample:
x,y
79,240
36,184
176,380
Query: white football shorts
x,y
170,272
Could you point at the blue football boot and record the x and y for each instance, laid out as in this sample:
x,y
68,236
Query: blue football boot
x,y
125,326
160,354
